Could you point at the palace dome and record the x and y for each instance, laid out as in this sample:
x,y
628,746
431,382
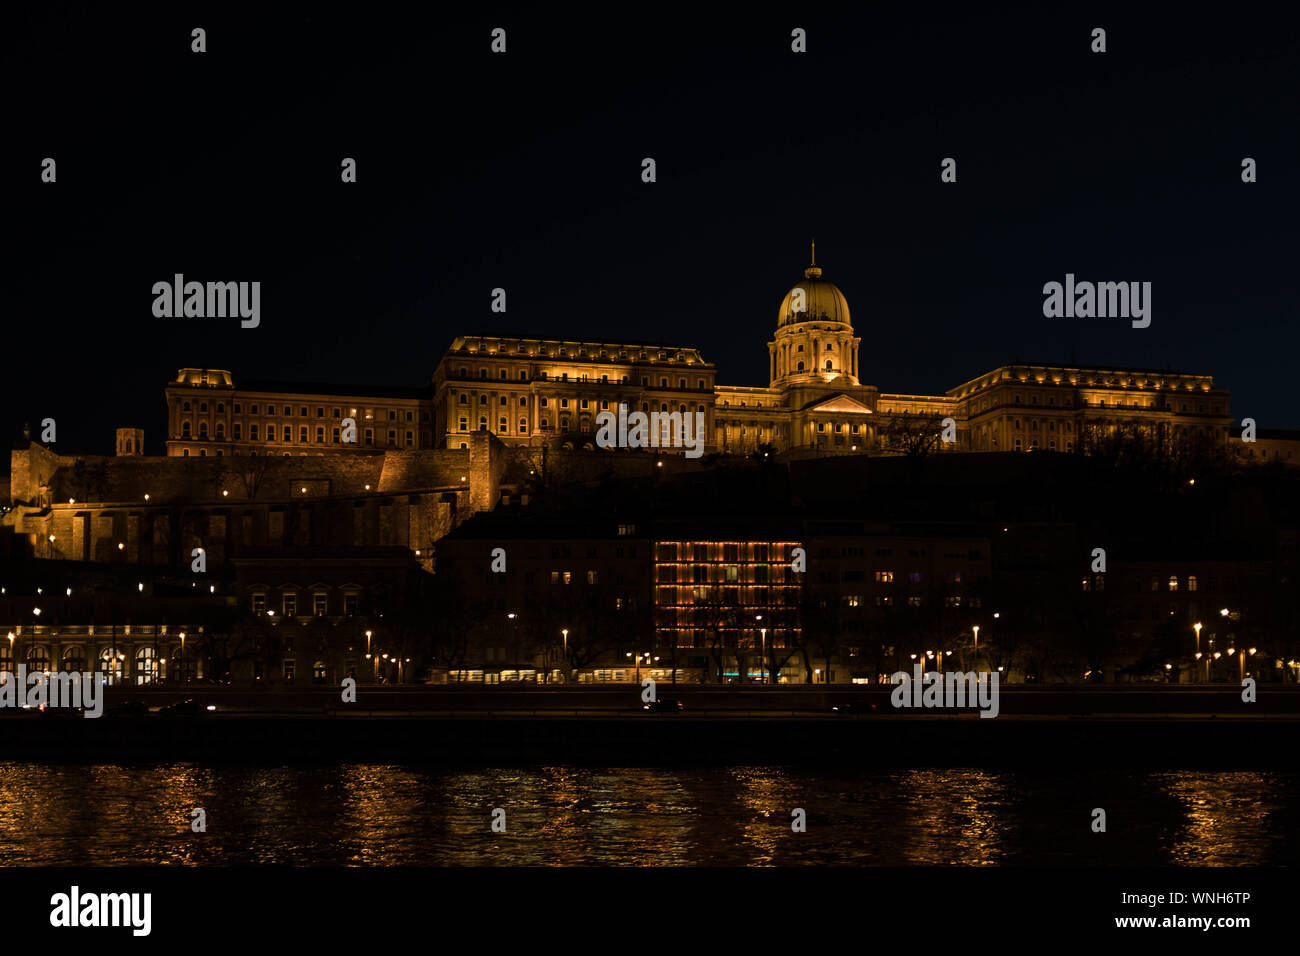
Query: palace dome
x,y
822,301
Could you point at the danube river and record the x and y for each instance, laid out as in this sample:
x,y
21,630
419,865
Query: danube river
x,y
370,815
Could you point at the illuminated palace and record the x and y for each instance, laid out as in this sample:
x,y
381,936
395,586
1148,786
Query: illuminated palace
x,y
531,391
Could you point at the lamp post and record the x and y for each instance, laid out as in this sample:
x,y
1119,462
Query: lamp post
x,y
1197,628
184,676
565,632
762,637
638,664
370,633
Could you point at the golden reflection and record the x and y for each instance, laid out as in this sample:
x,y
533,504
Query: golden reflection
x,y
1226,815
766,799
950,817
370,815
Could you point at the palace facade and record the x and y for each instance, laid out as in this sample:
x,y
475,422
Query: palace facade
x,y
533,391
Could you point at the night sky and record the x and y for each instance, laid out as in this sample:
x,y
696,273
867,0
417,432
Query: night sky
x,y
523,171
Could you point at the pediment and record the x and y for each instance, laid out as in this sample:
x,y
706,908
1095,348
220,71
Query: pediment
x,y
840,404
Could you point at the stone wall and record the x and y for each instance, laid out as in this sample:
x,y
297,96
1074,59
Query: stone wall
x,y
156,511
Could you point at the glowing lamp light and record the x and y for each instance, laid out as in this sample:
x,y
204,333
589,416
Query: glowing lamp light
x,y
36,611
146,497
121,546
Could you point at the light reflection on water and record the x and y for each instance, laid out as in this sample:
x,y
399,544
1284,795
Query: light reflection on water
x,y
364,815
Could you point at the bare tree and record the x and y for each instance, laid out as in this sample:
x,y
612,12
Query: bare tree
x,y
251,471
912,434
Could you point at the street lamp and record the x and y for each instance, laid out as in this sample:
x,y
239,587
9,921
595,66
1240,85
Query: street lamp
x,y
184,676
565,632
762,636
638,664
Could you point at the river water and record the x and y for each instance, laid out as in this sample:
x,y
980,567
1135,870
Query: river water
x,y
367,815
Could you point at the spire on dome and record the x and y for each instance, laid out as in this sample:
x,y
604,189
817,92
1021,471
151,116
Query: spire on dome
x,y
812,272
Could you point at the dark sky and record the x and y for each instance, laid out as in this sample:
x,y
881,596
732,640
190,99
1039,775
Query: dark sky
x,y
523,171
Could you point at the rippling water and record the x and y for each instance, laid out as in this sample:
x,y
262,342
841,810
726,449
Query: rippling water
x,y
365,815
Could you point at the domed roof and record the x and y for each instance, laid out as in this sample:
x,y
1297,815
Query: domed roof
x,y
821,300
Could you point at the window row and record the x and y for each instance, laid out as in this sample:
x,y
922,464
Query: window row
x,y
394,415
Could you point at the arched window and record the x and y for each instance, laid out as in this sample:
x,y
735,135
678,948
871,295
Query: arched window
x,y
74,660
799,367
185,429
828,365
110,665
38,659
146,666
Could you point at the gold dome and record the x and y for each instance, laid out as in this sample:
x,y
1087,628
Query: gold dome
x,y
822,300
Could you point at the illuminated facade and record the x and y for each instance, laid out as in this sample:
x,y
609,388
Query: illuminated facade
x,y
209,416
531,391
727,606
